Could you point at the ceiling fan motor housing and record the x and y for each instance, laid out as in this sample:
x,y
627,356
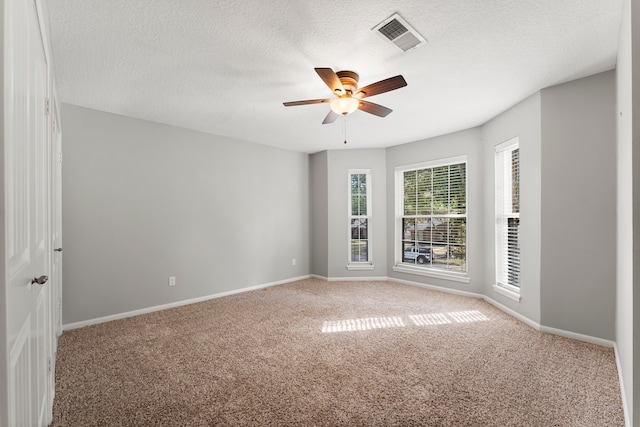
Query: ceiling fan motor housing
x,y
349,80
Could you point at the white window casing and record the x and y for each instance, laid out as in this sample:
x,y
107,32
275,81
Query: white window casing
x,y
431,219
507,218
359,220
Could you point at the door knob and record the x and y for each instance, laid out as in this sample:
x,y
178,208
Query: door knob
x,y
58,250
39,280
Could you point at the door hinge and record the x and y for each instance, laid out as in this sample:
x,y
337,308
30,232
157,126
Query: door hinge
x,y
60,157
59,304
49,365
47,106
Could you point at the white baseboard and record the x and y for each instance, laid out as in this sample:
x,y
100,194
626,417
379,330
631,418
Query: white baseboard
x,y
550,330
623,396
436,288
357,279
535,325
350,279
577,336
82,324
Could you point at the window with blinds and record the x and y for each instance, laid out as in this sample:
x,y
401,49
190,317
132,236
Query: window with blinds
x,y
432,215
507,191
359,217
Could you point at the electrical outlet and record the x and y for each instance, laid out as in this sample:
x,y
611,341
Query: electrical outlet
x,y
172,281
293,261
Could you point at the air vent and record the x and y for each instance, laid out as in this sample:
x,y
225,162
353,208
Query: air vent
x,y
396,30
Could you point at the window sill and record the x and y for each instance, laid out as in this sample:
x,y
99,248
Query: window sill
x,y
512,294
361,266
457,277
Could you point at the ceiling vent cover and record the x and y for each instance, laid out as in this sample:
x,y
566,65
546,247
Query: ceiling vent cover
x,y
396,30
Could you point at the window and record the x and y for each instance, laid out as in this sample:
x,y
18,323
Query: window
x,y
431,219
508,217
359,220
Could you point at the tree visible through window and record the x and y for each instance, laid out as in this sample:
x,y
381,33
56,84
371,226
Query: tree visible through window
x,y
433,217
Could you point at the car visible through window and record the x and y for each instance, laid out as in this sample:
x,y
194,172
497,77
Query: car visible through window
x,y
420,255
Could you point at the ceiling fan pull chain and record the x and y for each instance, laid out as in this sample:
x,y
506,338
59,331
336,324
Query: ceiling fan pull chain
x,y
344,127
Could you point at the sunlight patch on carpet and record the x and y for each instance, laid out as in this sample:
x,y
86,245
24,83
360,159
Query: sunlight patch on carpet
x,y
467,316
362,324
429,319
447,318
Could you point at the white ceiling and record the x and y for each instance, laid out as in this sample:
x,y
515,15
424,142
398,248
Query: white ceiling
x,y
225,67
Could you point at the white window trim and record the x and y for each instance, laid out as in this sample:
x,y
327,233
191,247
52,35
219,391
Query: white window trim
x,y
402,267
359,265
510,291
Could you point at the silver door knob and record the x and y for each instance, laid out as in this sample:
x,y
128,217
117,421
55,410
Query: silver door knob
x,y
58,250
39,280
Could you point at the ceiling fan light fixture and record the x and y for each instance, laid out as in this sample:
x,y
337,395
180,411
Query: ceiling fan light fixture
x,y
349,98
344,106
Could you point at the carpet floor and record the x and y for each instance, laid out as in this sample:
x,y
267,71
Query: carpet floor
x,y
318,353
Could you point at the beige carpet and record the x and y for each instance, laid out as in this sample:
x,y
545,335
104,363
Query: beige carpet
x,y
314,353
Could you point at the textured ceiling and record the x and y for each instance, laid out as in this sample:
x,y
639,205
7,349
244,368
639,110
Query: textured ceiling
x,y
225,67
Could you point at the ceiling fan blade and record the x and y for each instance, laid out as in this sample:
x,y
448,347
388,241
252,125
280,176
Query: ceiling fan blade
x,y
331,117
307,102
330,78
375,109
386,85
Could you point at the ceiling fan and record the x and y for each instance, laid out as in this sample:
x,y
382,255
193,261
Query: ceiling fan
x,y
344,84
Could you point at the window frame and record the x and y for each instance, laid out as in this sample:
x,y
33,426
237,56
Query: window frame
x,y
368,264
502,192
403,267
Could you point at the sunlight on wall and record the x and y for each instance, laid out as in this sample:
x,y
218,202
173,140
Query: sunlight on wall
x,y
397,322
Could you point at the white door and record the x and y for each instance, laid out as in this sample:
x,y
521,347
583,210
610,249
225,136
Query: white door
x,y
55,281
26,216
56,221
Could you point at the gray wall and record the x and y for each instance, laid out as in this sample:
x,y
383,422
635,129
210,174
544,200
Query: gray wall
x,y
467,143
578,240
144,201
339,163
567,143
628,88
523,121
319,199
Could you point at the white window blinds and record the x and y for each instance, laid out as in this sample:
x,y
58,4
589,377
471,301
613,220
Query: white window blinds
x,y
433,217
508,214
359,215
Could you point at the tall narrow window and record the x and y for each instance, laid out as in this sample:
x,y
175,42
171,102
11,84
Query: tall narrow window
x,y
508,215
359,219
431,218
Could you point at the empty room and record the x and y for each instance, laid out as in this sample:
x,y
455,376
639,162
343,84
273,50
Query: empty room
x,y
319,213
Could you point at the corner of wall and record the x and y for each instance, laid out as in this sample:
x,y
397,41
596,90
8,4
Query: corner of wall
x,y
523,120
